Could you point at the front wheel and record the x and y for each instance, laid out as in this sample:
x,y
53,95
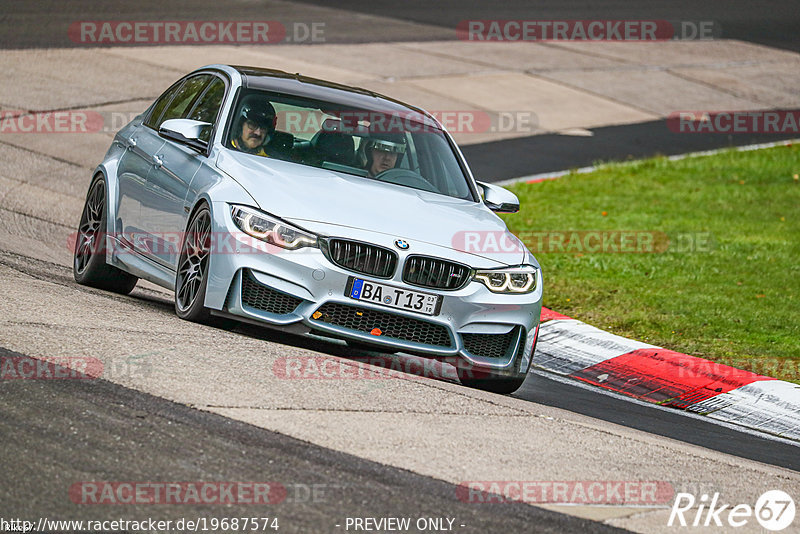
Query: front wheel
x,y
89,265
492,383
192,275
486,380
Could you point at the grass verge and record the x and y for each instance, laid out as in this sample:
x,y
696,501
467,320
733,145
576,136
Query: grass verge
x,y
699,255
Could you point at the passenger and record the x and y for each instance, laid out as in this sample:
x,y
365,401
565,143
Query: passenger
x,y
382,155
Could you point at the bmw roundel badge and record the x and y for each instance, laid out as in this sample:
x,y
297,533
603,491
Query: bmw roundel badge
x,y
401,244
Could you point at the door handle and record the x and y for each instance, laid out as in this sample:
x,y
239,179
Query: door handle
x,y
131,142
158,160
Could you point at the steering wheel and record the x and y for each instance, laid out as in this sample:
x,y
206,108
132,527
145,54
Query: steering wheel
x,y
405,177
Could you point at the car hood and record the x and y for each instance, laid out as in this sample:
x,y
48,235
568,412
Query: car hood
x,y
316,199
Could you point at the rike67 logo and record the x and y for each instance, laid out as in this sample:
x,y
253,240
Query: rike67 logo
x,y
774,510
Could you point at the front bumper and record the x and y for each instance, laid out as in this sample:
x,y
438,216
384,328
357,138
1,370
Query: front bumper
x,y
302,288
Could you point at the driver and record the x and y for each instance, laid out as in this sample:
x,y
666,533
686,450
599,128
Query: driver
x,y
382,155
255,126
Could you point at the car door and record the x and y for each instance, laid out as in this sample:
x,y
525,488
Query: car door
x,y
141,144
162,217
207,110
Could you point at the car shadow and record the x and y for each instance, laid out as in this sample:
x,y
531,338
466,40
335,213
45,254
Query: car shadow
x,y
397,365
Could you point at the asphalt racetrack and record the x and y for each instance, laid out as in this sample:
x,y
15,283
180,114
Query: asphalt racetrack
x,y
181,402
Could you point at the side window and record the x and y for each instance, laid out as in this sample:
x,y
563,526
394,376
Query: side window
x,y
185,96
207,106
152,121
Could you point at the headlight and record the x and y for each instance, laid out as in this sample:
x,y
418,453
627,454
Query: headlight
x,y
520,279
267,228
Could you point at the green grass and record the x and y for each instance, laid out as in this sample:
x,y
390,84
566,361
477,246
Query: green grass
x,y
735,301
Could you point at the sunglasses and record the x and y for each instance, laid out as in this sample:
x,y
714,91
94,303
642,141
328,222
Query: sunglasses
x,y
256,125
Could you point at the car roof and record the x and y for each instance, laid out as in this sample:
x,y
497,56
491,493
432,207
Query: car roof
x,y
304,86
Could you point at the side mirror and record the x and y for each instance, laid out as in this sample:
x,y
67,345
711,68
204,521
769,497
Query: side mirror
x,y
498,199
185,131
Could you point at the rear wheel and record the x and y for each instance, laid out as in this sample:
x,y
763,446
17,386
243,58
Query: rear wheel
x,y
89,265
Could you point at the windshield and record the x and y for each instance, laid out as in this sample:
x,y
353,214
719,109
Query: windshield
x,y
402,148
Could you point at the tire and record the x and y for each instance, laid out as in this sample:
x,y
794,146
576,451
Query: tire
x,y
505,385
89,265
493,384
191,277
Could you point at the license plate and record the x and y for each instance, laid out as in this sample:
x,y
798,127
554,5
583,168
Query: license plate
x,y
393,297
